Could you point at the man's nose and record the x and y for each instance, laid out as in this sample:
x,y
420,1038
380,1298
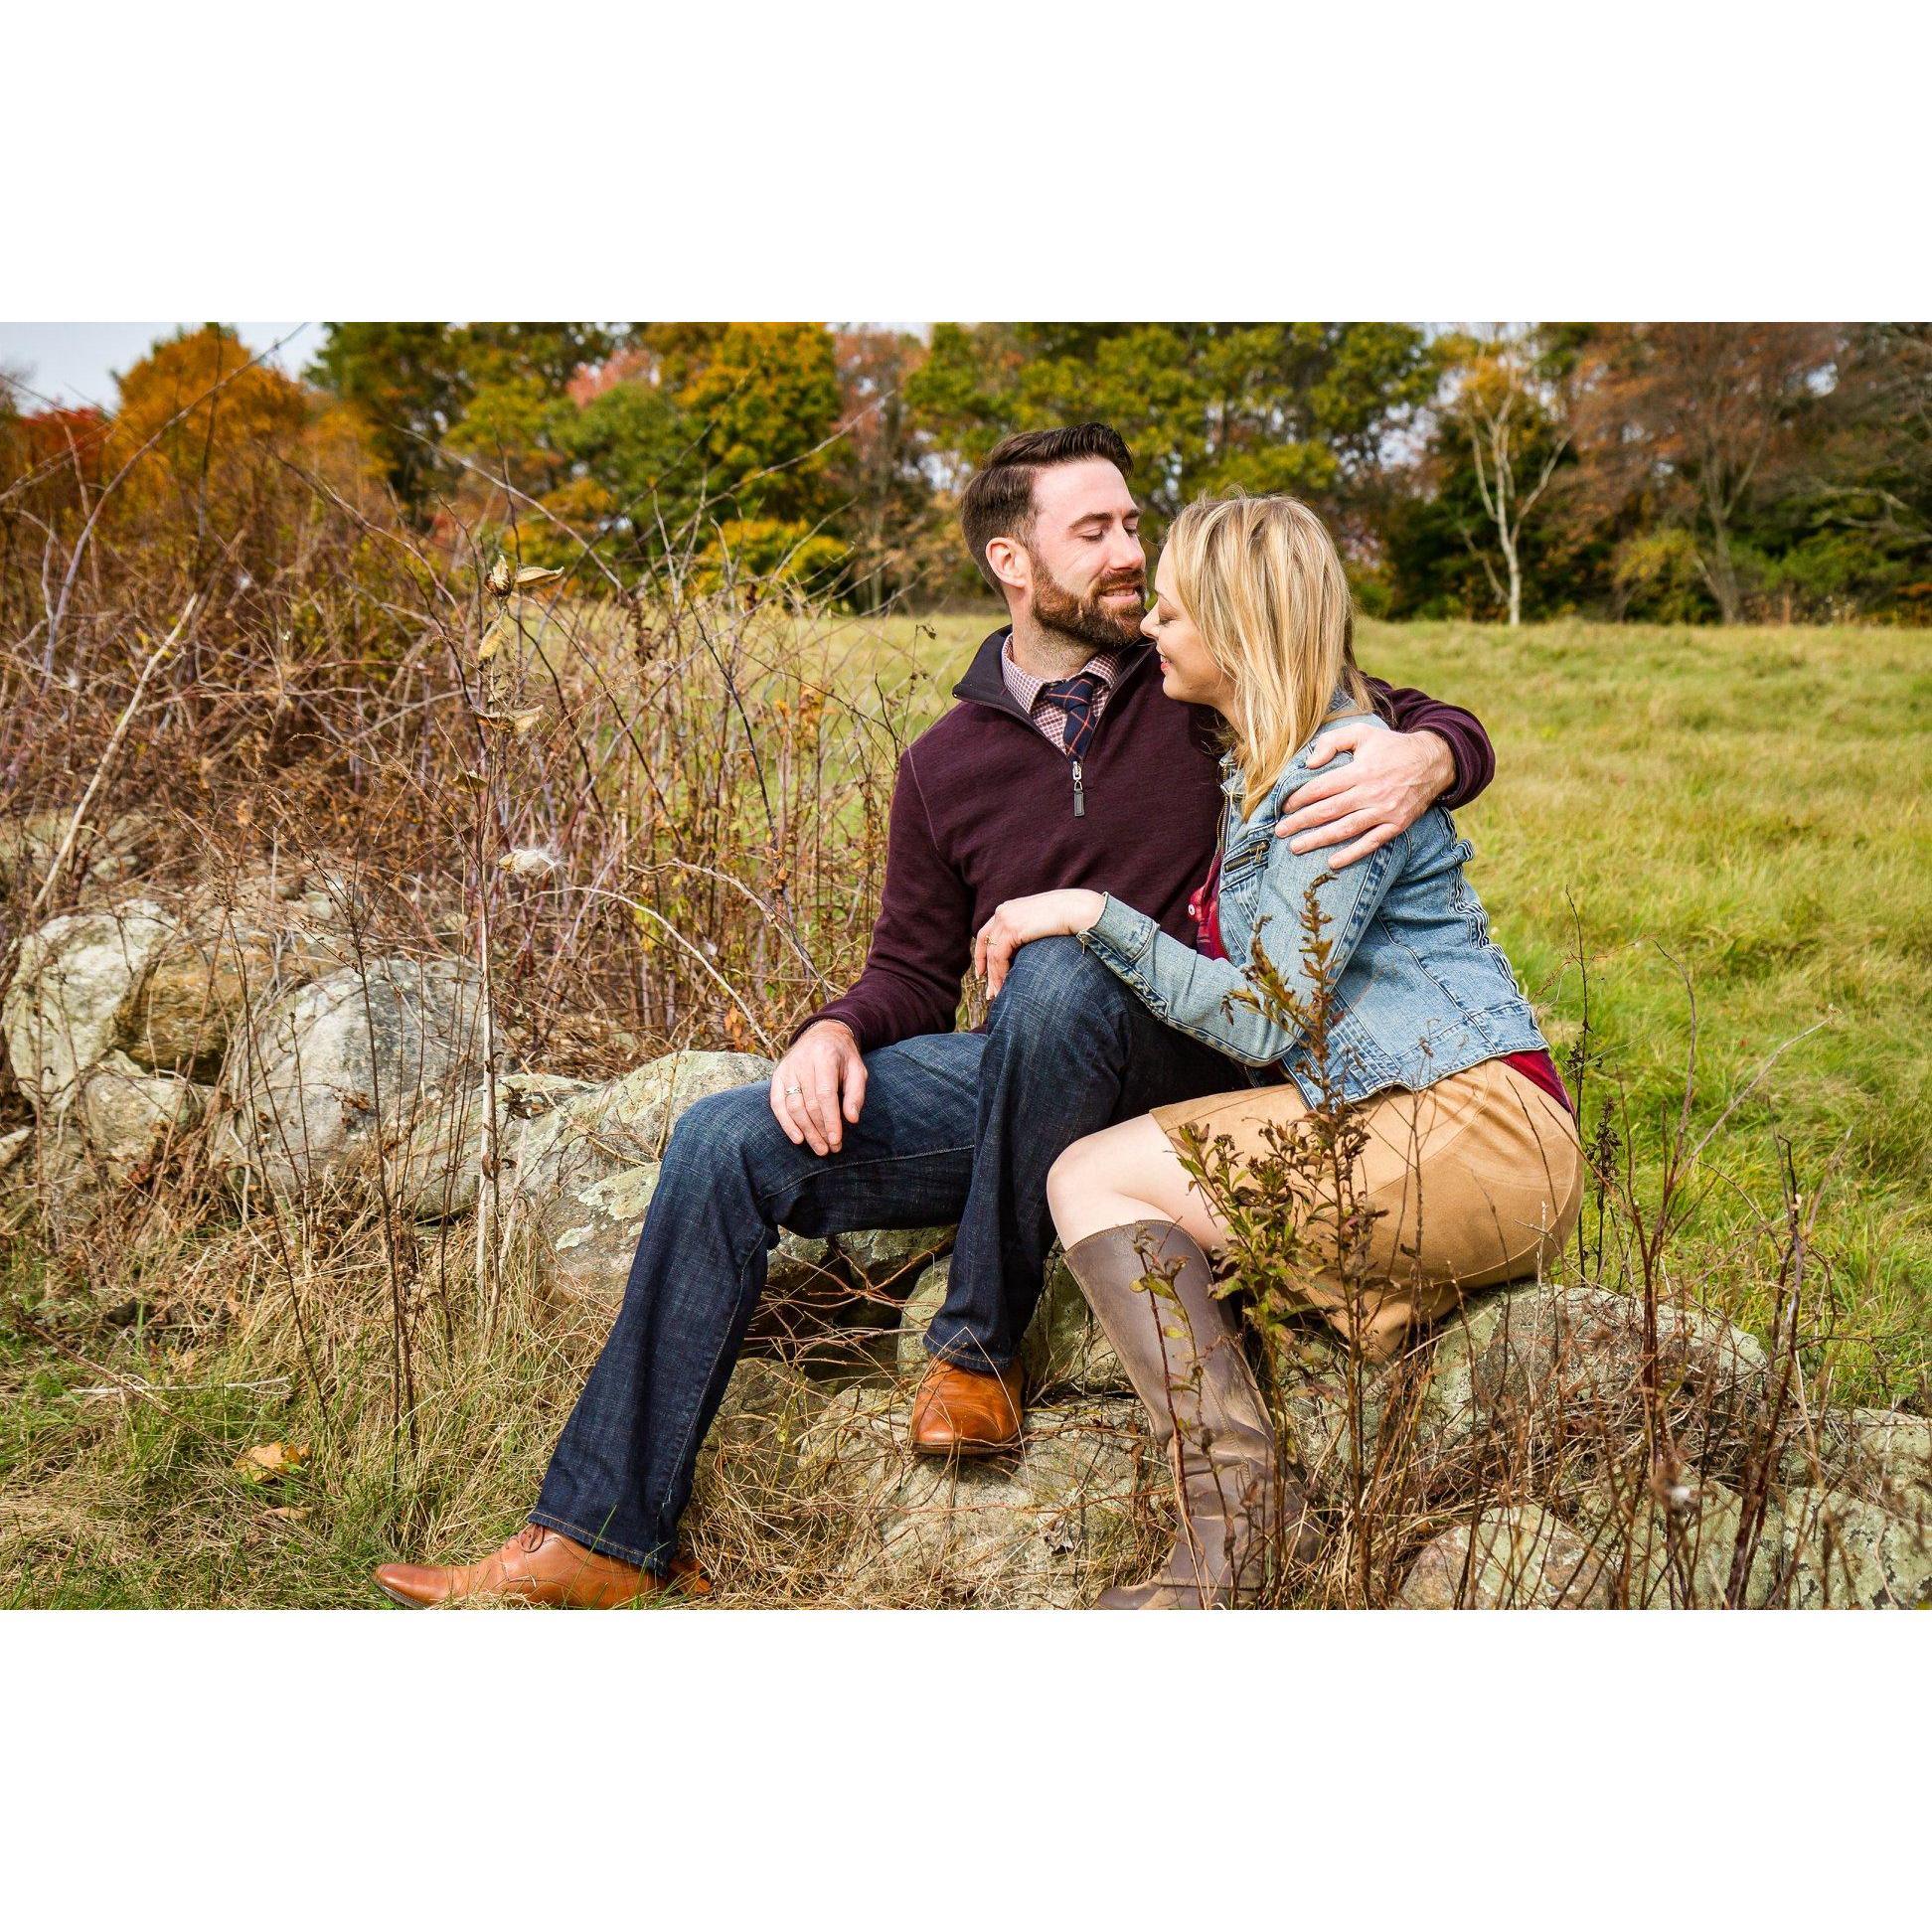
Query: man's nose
x,y
1125,554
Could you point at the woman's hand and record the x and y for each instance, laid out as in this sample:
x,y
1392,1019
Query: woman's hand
x,y
1016,922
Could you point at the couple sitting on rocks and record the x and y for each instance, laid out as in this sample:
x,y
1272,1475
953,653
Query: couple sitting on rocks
x,y
1083,756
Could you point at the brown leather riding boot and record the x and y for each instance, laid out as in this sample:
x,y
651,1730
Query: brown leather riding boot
x,y
1242,1514
960,1413
536,1565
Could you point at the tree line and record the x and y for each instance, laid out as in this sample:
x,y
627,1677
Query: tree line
x,y
1670,472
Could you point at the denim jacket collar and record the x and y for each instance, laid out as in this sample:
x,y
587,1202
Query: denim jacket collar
x,y
1232,772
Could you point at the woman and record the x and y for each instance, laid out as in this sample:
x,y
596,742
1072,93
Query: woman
x,y
1470,1161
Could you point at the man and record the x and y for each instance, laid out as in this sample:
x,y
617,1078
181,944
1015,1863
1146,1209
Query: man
x,y
1063,765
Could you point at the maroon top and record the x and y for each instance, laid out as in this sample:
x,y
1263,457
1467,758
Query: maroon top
x,y
984,810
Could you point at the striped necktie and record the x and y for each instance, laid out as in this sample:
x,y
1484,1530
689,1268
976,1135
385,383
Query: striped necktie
x,y
1076,694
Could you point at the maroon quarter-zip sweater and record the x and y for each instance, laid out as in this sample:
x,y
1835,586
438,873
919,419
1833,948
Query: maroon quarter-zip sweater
x,y
986,809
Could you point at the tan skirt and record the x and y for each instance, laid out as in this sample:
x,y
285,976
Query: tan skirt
x,y
1477,1179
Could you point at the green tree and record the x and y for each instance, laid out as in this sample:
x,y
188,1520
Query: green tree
x,y
1306,408
703,438
407,383
763,405
417,385
1861,509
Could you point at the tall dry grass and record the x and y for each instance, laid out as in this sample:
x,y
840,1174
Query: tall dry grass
x,y
651,815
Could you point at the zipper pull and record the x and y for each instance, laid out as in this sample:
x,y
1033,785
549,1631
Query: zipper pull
x,y
1079,792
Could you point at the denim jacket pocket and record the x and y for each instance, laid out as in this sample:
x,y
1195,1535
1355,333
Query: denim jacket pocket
x,y
1243,866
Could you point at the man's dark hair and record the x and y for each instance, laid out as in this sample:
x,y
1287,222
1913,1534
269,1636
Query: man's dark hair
x,y
999,501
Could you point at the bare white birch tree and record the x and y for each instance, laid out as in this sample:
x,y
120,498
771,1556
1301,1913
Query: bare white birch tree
x,y
1503,402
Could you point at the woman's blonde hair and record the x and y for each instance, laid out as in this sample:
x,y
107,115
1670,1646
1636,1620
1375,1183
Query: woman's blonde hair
x,y
1262,581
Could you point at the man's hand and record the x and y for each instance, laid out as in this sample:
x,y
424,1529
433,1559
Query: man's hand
x,y
1016,922
1392,779
821,1078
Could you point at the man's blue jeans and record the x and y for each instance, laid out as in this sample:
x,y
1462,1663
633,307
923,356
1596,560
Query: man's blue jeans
x,y
956,1127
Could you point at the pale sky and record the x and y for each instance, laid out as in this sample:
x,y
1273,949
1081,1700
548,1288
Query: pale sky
x,y
76,362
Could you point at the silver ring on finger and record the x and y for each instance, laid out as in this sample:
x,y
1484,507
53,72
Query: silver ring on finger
x,y
792,1093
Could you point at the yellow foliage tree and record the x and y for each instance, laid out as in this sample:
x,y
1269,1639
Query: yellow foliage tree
x,y
201,420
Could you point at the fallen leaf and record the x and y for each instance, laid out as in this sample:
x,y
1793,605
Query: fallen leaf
x,y
288,1514
267,1460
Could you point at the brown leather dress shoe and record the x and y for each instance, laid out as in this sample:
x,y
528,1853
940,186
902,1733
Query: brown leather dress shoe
x,y
959,1413
536,1565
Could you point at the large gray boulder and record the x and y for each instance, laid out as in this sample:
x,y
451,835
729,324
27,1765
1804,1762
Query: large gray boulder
x,y
582,1238
212,966
893,1263
1677,1553
1517,1558
1846,1553
627,1121
580,1174
103,850
332,1075
165,990
437,1170
1064,1349
748,1463
72,983
129,1117
1884,1455
1336,1414
1048,1526
1549,1368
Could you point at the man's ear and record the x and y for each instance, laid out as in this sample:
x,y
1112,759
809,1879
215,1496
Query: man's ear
x,y
1010,565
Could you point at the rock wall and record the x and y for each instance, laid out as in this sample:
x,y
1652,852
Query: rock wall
x,y
131,1028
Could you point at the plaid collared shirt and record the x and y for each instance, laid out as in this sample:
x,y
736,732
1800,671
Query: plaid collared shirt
x,y
1049,713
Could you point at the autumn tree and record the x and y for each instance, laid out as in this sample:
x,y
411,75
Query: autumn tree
x,y
765,404
1707,415
50,459
879,467
239,447
1868,482
1671,471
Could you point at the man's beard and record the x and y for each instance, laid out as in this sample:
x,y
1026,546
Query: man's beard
x,y
1088,619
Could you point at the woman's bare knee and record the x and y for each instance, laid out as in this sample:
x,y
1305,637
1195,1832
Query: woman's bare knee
x,y
1080,1170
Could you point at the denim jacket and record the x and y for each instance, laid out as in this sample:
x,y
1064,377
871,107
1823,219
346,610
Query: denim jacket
x,y
1420,989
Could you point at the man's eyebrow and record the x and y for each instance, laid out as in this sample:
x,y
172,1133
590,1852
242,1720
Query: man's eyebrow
x,y
1100,517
